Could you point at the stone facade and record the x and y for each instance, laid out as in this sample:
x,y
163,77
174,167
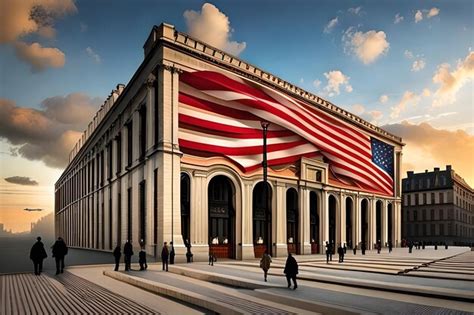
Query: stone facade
x,y
438,207
128,179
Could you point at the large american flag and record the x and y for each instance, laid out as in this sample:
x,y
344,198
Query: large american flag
x,y
220,115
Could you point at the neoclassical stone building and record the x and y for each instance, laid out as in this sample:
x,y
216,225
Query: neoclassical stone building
x,y
176,155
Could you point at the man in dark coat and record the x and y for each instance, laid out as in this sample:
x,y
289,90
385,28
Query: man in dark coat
x,y
37,254
291,270
355,249
117,255
379,246
142,260
172,254
340,252
128,253
59,251
164,256
189,255
390,246
363,248
328,252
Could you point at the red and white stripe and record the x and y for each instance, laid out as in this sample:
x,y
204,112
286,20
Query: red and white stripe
x,y
221,115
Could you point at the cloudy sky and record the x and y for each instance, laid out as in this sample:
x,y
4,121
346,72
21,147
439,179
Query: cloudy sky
x,y
404,65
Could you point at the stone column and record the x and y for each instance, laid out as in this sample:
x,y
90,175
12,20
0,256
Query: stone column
x,y
279,220
397,224
247,221
324,220
304,221
342,219
199,216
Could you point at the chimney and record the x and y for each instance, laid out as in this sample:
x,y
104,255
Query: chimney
x,y
448,168
436,169
410,173
426,171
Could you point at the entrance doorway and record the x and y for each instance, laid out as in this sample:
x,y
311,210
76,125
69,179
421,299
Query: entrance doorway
x,y
314,223
262,219
292,220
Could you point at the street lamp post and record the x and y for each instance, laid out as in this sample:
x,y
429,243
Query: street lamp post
x,y
265,125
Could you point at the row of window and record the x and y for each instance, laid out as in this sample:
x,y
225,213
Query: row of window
x,y
410,199
91,176
412,184
429,215
423,230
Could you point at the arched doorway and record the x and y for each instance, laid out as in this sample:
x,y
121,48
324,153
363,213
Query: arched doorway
x,y
349,219
185,207
262,219
221,217
332,222
292,221
314,222
378,221
364,221
390,223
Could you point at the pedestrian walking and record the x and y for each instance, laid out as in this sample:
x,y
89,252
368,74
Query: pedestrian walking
x,y
189,255
328,252
265,263
410,247
172,254
291,270
211,258
340,252
345,248
355,249
379,246
390,246
445,245
436,246
363,248
164,256
128,253
37,254
423,245
142,259
117,254
59,251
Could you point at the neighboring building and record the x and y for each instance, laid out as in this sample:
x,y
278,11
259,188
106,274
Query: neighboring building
x,y
177,155
438,207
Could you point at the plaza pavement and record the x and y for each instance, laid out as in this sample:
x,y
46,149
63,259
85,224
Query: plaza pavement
x,y
395,283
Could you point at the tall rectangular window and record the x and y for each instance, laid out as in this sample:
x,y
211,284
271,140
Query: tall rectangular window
x,y
129,143
119,153
432,198
441,214
110,218
424,199
155,206
142,135
129,214
119,218
441,229
155,112
142,202
417,201
441,197
109,159
102,168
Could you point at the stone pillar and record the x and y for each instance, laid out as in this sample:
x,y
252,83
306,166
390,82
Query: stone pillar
x,y
397,224
304,221
324,220
279,220
342,219
199,216
247,221
169,162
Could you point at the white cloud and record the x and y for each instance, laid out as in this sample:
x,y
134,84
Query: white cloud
x,y
398,18
336,79
418,65
452,81
383,99
418,16
91,53
302,80
316,83
433,12
366,46
358,109
331,24
375,116
40,58
426,92
212,26
408,98
355,11
408,54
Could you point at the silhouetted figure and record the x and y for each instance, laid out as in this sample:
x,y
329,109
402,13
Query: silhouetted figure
x,y
172,254
189,255
436,246
37,254
355,249
445,245
142,260
164,256
59,251
410,247
117,254
265,264
363,248
423,245
390,246
128,253
291,270
328,252
379,246
345,248
340,252
212,258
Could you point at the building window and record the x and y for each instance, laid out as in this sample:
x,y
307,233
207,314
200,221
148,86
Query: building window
x,y
119,153
129,143
109,159
424,230
433,230
102,168
441,214
409,200
415,215
441,197
441,229
432,198
424,199
129,214
142,135
417,201
432,214
142,201
424,214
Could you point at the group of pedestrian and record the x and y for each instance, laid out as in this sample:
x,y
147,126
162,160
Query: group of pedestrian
x,y
38,254
290,271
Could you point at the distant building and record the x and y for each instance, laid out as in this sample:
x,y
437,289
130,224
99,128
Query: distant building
x,y
437,207
176,155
